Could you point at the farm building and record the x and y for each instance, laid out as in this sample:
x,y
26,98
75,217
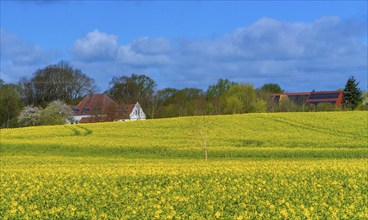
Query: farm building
x,y
101,108
311,98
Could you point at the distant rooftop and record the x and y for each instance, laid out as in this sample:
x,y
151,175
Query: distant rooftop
x,y
333,97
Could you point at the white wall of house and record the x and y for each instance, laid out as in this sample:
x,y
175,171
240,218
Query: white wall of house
x,y
77,118
137,113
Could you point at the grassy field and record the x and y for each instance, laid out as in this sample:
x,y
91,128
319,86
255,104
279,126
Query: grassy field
x,y
281,165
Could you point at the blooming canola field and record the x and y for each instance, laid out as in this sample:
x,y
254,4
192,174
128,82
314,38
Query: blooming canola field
x,y
281,165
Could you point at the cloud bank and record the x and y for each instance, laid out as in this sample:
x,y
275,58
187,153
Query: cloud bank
x,y
21,58
300,56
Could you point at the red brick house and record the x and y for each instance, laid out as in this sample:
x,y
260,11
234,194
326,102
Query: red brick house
x,y
101,108
311,98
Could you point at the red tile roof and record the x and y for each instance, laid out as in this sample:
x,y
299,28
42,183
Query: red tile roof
x,y
124,111
94,105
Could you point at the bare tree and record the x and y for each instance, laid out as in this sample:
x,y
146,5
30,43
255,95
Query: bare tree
x,y
56,82
200,127
131,89
154,104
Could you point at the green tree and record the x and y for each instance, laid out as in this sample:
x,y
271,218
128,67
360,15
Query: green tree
x,y
213,94
188,100
239,98
260,105
10,104
184,102
364,104
168,106
352,94
234,105
56,82
326,106
264,97
287,105
63,110
50,116
271,88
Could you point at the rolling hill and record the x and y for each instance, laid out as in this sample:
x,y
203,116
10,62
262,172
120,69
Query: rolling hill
x,y
325,134
260,166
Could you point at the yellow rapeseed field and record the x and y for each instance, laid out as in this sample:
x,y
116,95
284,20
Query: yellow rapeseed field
x,y
261,166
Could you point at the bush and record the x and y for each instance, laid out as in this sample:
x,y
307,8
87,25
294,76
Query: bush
x,y
326,106
51,116
56,113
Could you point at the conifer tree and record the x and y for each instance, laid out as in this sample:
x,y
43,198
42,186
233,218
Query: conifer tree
x,y
352,94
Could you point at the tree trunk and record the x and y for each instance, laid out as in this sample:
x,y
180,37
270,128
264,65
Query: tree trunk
x,y
205,154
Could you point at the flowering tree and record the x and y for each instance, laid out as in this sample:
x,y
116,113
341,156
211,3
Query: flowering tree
x,y
29,116
56,112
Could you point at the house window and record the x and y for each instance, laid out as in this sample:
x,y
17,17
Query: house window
x,y
75,110
85,111
324,96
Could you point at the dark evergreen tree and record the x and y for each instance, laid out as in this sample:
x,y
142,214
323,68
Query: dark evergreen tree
x,y
352,94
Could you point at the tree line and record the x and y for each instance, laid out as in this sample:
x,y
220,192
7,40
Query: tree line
x,y
46,94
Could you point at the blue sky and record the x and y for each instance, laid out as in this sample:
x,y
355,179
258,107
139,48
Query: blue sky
x,y
301,45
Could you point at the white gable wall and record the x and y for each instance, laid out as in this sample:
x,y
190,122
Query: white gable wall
x,y
137,113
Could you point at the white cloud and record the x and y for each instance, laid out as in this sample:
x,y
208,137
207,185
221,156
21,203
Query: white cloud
x,y
274,50
98,46
130,56
270,39
95,46
297,55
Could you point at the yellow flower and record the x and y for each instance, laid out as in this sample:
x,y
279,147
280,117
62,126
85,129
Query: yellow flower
x,y
284,213
218,214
